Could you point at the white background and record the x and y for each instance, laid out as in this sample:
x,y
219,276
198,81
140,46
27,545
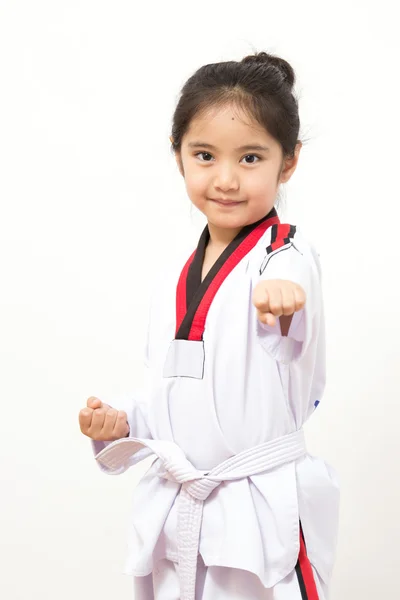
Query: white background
x,y
92,203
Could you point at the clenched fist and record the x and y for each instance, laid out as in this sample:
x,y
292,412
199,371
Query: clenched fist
x,y
277,297
103,423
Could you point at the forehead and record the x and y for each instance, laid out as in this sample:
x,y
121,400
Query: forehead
x,y
226,126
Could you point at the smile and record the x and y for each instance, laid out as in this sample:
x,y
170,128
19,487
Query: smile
x,y
227,203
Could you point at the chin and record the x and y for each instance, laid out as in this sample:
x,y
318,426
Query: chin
x,y
229,221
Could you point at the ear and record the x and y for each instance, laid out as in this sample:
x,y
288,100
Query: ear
x,y
290,164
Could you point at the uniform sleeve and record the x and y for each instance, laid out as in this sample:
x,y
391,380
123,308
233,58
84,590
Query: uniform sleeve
x,y
297,262
135,406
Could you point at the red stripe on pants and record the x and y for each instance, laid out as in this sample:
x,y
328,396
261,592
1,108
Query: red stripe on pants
x,y
305,573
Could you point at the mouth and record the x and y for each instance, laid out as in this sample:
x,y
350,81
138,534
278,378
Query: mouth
x,y
226,203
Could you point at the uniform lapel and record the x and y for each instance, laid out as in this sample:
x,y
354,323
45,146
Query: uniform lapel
x,y
194,297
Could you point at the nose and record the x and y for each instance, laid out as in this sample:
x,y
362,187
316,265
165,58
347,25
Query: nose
x,y
226,179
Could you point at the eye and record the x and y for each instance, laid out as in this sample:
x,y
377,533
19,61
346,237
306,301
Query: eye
x,y
247,155
203,153
256,156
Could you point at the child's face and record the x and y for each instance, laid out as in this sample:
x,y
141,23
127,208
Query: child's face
x,y
250,176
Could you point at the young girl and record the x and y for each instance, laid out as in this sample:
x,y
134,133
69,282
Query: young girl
x,y
233,506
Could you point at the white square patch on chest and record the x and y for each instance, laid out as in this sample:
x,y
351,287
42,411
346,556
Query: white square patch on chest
x,y
185,358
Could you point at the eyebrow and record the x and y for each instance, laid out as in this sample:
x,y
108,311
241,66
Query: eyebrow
x,y
241,148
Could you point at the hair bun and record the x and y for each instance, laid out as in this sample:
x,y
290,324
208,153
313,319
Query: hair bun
x,y
263,58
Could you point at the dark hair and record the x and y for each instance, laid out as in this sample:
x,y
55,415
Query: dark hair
x,y
260,84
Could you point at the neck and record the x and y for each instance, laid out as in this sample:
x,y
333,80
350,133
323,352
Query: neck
x,y
220,238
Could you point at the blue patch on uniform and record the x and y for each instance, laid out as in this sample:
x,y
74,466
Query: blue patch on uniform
x,y
316,403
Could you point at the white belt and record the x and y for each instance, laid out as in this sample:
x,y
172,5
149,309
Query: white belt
x,y
197,485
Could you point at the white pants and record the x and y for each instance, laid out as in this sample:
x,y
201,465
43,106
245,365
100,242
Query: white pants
x,y
220,583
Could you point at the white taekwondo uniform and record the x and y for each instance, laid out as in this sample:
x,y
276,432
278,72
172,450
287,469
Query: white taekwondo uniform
x,y
233,506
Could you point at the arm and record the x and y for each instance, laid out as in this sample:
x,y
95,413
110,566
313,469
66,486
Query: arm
x,y
288,299
285,324
132,412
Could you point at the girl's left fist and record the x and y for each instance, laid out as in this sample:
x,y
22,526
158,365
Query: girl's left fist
x,y
277,297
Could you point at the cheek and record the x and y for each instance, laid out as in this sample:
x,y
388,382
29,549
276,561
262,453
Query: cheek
x,y
260,181
261,185
197,184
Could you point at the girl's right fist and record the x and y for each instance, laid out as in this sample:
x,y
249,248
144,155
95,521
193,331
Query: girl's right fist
x,y
103,423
